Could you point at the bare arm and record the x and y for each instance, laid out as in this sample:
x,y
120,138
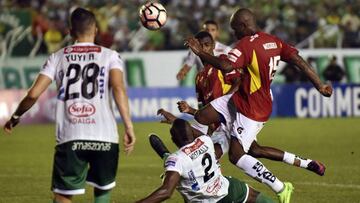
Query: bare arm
x,y
41,83
235,83
165,190
169,118
121,100
324,89
183,72
216,62
184,107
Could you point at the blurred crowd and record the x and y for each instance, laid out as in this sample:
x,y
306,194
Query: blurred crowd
x,y
328,23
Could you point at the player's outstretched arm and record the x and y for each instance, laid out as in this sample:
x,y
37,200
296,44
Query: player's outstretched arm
x,y
324,89
183,72
168,117
121,100
184,107
188,63
41,83
216,62
165,190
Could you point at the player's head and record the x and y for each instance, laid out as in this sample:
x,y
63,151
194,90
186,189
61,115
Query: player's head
x,y
212,27
82,23
206,41
243,23
181,132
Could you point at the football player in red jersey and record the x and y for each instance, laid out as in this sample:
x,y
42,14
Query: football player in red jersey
x,y
257,54
211,83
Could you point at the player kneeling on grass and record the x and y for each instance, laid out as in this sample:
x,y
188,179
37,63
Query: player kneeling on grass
x,y
195,172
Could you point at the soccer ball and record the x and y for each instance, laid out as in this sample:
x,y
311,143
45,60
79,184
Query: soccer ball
x,y
152,15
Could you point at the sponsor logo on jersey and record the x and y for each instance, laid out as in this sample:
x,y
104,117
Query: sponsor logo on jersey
x,y
270,45
82,49
188,150
81,109
214,187
91,146
82,120
195,150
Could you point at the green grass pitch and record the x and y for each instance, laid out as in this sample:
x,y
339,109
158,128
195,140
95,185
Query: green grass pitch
x,y
26,162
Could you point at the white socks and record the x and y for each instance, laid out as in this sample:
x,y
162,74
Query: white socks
x,y
257,170
290,158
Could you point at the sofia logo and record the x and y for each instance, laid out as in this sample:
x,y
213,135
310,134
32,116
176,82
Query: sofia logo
x,y
83,109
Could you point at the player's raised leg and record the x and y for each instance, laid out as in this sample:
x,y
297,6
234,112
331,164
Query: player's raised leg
x,y
275,154
158,146
257,170
207,115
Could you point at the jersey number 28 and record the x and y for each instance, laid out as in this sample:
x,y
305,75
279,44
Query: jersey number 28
x,y
88,77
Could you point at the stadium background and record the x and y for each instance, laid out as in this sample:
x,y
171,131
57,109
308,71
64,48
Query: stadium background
x,y
30,30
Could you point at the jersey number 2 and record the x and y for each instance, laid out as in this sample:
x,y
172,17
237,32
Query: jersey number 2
x,y
89,76
207,163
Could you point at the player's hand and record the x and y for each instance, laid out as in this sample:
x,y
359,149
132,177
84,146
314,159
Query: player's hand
x,y
167,116
10,124
129,140
183,107
326,90
180,75
193,44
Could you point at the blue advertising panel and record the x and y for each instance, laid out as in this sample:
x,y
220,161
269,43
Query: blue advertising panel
x,y
144,102
303,100
290,100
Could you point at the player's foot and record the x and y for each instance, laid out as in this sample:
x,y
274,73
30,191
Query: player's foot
x,y
285,195
316,167
158,146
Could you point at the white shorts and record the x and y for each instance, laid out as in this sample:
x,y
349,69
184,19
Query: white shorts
x,y
220,136
200,127
241,127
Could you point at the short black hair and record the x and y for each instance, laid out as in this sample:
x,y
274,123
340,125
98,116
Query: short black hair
x,y
202,35
211,22
81,20
181,132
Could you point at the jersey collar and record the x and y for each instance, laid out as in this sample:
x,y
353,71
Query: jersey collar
x,y
84,43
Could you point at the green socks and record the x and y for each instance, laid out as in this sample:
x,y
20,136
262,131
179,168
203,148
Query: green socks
x,y
165,156
102,196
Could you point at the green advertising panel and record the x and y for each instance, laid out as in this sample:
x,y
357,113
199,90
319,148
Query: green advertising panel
x,y
352,65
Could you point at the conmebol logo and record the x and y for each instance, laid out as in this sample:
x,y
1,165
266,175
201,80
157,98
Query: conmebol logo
x,y
83,109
